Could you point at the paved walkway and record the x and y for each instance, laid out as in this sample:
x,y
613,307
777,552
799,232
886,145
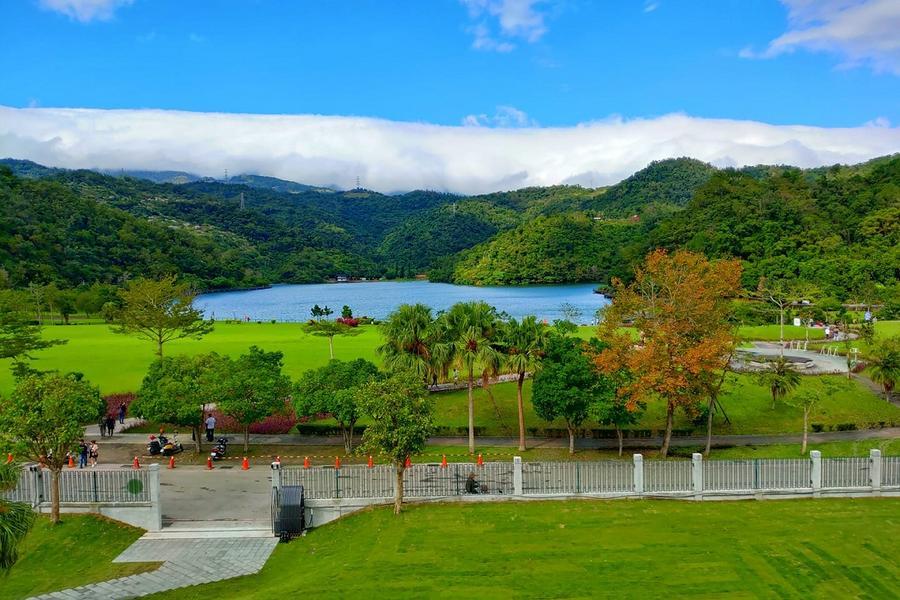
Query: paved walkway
x,y
186,562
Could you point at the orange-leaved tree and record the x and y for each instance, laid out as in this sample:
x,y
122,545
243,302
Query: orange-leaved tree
x,y
679,305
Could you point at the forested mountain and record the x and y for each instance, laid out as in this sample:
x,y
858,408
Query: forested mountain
x,y
835,227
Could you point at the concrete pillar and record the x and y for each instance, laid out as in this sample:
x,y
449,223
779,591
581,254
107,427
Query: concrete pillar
x,y
638,474
276,475
815,470
875,469
156,517
697,473
517,475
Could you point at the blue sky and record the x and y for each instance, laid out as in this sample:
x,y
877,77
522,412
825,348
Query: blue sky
x,y
415,61
459,95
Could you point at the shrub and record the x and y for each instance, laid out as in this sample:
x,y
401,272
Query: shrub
x,y
114,400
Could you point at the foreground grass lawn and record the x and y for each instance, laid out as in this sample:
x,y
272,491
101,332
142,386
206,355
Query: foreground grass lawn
x,y
587,549
79,550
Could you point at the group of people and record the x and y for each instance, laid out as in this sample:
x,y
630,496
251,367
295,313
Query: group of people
x,y
107,423
88,453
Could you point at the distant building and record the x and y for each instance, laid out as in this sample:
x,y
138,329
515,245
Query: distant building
x,y
342,279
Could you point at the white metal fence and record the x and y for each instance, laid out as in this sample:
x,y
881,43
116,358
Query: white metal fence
x,y
615,477
845,472
756,474
118,486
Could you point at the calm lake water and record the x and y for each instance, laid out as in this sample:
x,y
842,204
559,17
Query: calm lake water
x,y
378,299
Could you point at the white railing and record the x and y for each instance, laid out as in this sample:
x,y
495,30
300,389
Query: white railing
x,y
845,472
667,476
612,477
579,477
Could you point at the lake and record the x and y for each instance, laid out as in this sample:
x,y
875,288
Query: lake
x,y
378,298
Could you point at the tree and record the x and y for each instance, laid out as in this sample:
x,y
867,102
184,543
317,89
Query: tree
x,y
612,406
522,344
783,295
333,389
570,312
568,385
160,311
346,312
330,329
679,303
471,330
884,365
252,387
412,341
18,337
781,378
807,400
178,389
45,417
401,412
16,518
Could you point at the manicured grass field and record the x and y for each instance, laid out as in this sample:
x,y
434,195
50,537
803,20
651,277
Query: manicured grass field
x,y
771,333
748,405
834,548
78,551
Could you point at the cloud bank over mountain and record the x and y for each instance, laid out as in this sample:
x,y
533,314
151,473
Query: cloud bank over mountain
x,y
394,156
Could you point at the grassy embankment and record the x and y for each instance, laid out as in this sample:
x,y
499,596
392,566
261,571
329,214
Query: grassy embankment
x,y
581,549
78,551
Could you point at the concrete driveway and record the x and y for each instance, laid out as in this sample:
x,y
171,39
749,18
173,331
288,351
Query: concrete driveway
x,y
225,494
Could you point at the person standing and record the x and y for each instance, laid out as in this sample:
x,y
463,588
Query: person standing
x,y
210,427
82,454
110,425
122,410
94,453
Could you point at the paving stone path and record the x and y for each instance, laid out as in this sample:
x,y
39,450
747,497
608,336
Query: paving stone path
x,y
187,562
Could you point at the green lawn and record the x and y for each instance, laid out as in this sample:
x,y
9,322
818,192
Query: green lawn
x,y
78,551
772,333
748,405
832,548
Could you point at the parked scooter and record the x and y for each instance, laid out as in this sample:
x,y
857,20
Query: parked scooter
x,y
163,445
220,449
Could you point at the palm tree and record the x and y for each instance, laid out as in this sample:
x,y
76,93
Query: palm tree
x,y
884,365
15,517
780,378
411,336
523,347
470,330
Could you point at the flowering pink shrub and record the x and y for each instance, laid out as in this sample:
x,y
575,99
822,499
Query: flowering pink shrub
x,y
114,400
350,321
271,425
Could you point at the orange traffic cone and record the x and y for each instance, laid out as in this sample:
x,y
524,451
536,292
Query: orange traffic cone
x,y
371,463
136,463
9,458
408,463
443,461
480,461
245,464
72,461
337,462
305,462
209,466
171,462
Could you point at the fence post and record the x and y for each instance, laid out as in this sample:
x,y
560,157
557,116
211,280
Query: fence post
x,y
517,475
153,482
276,475
875,469
36,485
697,473
638,474
815,470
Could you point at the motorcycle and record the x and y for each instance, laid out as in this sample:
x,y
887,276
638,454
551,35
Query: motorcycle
x,y
220,449
164,446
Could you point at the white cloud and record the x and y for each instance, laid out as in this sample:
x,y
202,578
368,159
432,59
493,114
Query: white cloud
x,y
504,116
650,6
497,22
862,32
391,156
85,10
